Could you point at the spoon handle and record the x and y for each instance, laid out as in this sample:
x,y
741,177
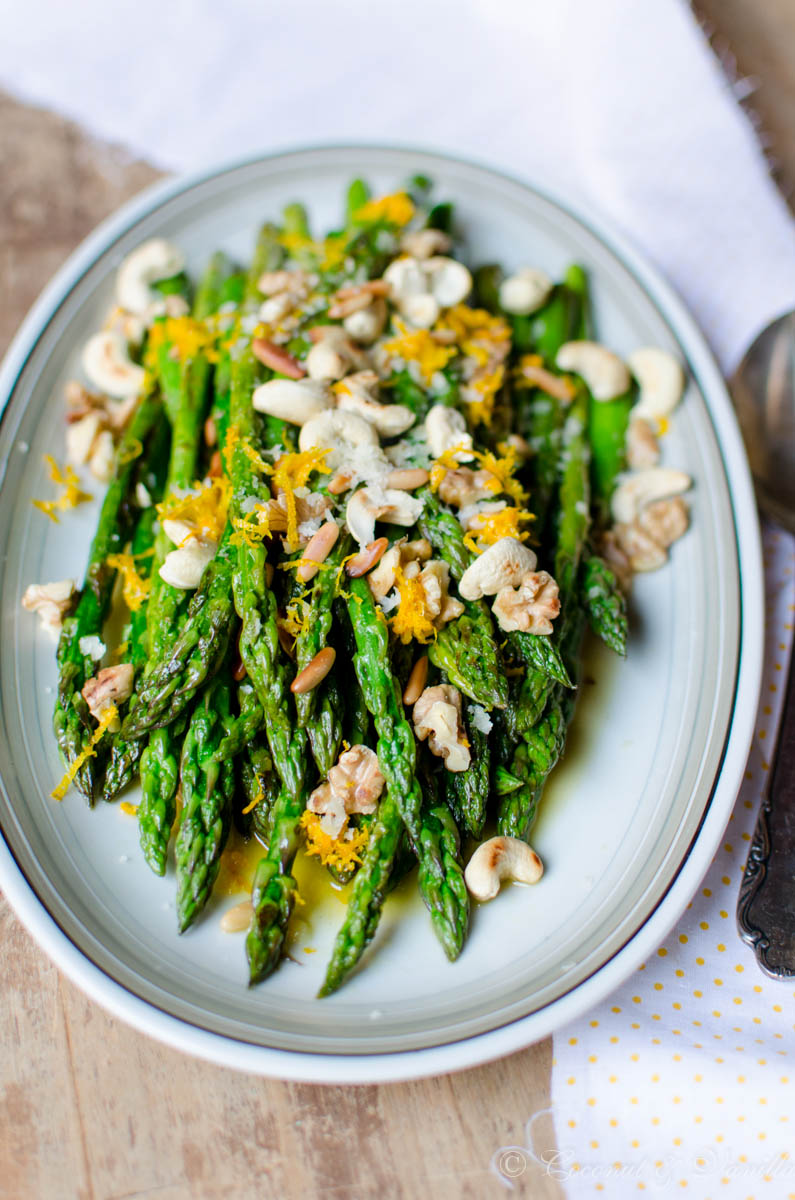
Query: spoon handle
x,y
766,904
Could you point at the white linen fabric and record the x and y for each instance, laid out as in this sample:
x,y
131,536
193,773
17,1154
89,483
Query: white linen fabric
x,y
616,103
682,1077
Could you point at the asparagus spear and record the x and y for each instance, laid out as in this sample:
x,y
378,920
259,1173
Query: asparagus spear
x,y
157,807
207,790
468,791
319,711
605,603
124,757
72,721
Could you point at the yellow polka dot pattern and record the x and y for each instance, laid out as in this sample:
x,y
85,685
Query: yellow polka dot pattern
x,y
680,1081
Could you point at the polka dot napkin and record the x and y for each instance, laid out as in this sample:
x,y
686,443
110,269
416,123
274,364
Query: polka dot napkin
x,y
682,1082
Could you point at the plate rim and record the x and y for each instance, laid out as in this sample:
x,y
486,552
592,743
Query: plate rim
x,y
313,1067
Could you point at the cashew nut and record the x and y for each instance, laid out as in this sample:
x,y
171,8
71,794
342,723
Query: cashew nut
x,y
503,564
405,277
389,419
52,601
384,504
525,292
497,859
184,567
603,371
326,361
446,429
423,243
421,310
339,432
368,323
152,260
644,487
661,381
449,280
109,367
437,717
293,400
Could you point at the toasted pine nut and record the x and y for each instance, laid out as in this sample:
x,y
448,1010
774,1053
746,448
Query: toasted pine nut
x,y
340,483
416,681
317,550
240,671
277,359
216,466
314,672
553,385
373,287
210,431
351,304
407,479
236,919
366,559
269,573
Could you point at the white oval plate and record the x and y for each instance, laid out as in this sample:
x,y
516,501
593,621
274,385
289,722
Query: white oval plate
x,y
632,817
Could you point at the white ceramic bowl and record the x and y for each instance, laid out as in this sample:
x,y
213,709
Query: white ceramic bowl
x,y
631,818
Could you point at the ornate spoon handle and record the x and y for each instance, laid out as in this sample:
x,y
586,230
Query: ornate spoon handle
x,y
766,905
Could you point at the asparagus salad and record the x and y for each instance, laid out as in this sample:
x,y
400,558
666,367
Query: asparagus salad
x,y
362,504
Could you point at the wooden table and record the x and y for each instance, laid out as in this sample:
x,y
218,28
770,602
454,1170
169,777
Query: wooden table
x,y
92,1109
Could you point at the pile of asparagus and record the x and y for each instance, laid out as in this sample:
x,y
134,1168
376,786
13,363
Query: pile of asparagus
x,y
212,726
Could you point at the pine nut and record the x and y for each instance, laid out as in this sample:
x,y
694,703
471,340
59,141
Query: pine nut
x,y
416,681
269,574
317,550
277,359
216,466
366,559
340,483
407,479
210,431
314,672
236,919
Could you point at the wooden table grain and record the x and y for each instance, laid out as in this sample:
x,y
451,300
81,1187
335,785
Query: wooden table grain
x,y
89,1108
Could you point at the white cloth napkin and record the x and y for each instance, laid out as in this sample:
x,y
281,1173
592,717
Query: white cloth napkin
x,y
616,102
622,107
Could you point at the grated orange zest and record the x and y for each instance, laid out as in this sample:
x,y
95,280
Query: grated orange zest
x,y
110,715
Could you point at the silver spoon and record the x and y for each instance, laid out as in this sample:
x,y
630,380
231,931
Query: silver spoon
x,y
763,389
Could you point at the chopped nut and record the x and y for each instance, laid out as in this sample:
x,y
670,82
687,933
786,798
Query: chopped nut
x,y
110,686
640,548
440,607
463,486
317,550
277,359
236,919
362,562
554,385
415,684
52,601
642,447
354,785
665,520
503,564
401,554
103,456
407,479
497,859
357,777
314,672
531,607
437,717
81,436
424,243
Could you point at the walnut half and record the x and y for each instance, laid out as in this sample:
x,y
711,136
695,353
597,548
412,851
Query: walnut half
x,y
531,607
437,717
